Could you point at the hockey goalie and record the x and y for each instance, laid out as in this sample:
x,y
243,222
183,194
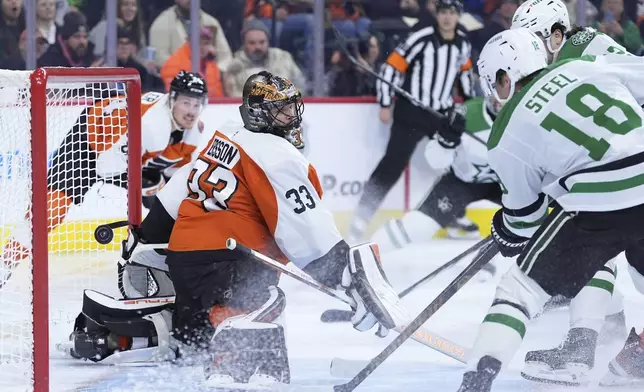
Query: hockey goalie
x,y
94,153
250,183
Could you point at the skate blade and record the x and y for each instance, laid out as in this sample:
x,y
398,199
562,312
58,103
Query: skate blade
x,y
242,387
611,379
571,376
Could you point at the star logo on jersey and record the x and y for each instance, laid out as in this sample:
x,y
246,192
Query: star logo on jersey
x,y
444,205
582,37
484,173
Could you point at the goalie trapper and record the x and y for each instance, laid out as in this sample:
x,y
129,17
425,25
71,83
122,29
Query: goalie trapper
x,y
130,330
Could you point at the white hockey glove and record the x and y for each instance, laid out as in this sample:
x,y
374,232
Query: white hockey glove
x,y
365,282
438,157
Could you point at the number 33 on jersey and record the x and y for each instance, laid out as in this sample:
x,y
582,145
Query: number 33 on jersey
x,y
260,190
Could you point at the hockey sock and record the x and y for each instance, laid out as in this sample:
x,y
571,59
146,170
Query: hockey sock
x,y
589,308
413,227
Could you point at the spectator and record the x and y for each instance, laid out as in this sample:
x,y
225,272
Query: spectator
x,y
126,50
349,18
62,8
181,60
613,22
12,23
573,10
263,11
347,80
72,49
256,56
46,19
500,20
18,62
129,17
170,30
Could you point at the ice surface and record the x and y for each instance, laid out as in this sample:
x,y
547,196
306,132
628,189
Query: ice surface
x,y
413,367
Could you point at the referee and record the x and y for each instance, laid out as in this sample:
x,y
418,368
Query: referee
x,y
426,65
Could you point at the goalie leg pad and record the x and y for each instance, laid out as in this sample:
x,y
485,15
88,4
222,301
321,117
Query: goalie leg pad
x,y
138,281
112,331
251,346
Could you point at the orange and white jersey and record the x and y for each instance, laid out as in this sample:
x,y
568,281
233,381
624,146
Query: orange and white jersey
x,y
256,188
107,124
156,129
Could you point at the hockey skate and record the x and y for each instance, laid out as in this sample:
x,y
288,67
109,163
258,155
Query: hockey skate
x,y
614,329
463,229
628,366
481,379
569,364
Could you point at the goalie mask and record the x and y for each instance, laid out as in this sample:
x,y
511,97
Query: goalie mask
x,y
272,104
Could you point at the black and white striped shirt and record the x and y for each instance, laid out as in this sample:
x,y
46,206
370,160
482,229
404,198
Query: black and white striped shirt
x,y
426,66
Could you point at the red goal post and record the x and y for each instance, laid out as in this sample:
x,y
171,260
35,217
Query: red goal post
x,y
42,82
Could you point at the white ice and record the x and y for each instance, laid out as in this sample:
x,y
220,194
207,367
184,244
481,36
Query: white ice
x,y
312,344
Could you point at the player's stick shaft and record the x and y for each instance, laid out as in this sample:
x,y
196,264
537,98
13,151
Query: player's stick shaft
x,y
423,336
483,258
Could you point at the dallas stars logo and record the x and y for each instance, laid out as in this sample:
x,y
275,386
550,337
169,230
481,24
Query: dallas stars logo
x,y
444,205
582,37
484,173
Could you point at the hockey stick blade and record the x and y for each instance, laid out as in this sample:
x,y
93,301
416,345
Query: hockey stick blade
x,y
336,315
475,266
421,335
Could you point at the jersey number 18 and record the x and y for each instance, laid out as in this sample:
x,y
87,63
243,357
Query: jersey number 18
x,y
575,101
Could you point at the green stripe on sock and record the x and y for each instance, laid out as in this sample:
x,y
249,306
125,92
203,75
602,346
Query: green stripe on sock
x,y
601,284
506,320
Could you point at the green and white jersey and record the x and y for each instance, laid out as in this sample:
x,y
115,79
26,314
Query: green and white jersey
x,y
574,133
470,163
590,42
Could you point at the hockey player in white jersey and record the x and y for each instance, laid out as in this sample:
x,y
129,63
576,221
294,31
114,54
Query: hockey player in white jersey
x,y
574,132
251,183
468,177
550,21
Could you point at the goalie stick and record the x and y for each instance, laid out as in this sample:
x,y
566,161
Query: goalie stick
x,y
342,41
340,315
489,251
421,335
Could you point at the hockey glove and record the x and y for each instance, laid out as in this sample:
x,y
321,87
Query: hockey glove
x,y
152,181
510,244
449,134
375,299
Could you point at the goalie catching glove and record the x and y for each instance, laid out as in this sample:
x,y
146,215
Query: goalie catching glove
x,y
510,244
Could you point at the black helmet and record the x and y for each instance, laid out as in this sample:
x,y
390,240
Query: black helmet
x,y
265,97
456,5
190,84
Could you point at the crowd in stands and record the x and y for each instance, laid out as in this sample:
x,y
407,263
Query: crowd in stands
x,y
241,37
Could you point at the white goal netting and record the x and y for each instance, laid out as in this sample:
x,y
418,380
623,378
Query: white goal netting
x,y
86,139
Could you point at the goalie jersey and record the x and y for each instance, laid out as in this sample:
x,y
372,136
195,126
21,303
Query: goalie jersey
x,y
258,189
574,133
471,164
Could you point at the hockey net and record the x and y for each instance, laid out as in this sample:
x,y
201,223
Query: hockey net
x,y
66,138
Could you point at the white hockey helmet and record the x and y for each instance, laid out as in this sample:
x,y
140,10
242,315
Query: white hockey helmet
x,y
540,15
518,52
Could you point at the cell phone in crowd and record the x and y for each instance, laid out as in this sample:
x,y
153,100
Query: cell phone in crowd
x,y
609,17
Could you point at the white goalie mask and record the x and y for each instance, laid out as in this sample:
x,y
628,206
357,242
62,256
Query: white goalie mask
x,y
518,52
539,16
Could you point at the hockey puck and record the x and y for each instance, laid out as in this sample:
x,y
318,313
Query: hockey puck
x,y
336,316
104,234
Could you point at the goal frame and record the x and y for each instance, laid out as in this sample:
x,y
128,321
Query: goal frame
x,y
39,166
